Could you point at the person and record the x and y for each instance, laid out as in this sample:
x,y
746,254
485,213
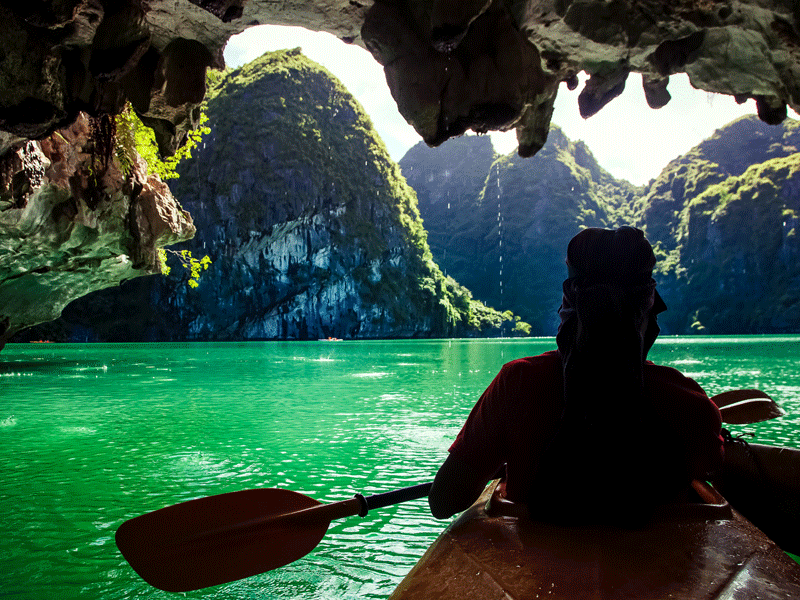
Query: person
x,y
591,431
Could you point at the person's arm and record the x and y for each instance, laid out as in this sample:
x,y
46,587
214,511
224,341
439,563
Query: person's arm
x,y
456,486
695,420
481,448
477,452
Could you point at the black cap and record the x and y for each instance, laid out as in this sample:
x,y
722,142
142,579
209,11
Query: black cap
x,y
620,257
611,255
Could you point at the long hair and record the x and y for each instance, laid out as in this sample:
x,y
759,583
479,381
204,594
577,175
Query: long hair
x,y
608,324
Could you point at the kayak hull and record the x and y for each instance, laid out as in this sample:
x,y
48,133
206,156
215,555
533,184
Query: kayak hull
x,y
763,483
696,551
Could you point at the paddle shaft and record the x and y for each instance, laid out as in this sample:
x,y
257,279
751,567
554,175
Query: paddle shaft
x,y
321,514
394,497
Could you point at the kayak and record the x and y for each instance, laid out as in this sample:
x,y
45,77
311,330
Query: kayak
x,y
700,549
763,483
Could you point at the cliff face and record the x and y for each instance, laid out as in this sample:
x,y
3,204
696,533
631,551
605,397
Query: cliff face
x,y
693,210
311,228
70,225
505,238
739,251
722,218
729,152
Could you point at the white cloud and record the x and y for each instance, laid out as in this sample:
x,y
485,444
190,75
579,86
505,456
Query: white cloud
x,y
628,138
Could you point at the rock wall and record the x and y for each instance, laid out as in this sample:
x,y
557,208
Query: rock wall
x,y
70,224
312,231
723,219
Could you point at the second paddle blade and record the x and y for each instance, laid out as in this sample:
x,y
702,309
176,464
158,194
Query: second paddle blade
x,y
217,539
743,407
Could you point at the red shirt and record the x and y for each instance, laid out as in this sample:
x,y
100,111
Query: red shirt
x,y
518,414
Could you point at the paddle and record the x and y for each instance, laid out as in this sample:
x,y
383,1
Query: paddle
x,y
222,538
742,407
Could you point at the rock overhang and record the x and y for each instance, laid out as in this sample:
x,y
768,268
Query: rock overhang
x,y
451,65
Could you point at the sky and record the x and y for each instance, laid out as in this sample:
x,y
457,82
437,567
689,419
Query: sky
x,y
628,138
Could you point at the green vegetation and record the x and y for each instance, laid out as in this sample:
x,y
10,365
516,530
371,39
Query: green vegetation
x,y
134,136
292,156
193,265
724,232
743,229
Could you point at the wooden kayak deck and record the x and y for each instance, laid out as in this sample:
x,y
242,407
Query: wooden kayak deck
x,y
691,551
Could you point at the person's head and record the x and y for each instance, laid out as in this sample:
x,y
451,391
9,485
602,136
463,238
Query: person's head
x,y
621,257
610,291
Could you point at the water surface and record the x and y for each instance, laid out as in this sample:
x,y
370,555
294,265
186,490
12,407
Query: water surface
x,y
91,435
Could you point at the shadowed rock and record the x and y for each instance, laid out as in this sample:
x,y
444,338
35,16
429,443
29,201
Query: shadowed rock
x,y
655,91
599,90
451,65
68,228
487,78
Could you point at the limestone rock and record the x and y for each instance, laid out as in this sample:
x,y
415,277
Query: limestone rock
x,y
444,84
310,227
69,226
452,65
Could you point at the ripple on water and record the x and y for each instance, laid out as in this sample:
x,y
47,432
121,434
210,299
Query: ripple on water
x,y
376,375
697,374
196,464
77,430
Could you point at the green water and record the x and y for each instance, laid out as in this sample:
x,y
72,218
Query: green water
x,y
91,435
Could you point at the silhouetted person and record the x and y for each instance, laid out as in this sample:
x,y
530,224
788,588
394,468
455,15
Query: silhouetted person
x,y
592,431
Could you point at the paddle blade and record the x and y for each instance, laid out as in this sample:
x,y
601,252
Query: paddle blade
x,y
217,539
741,407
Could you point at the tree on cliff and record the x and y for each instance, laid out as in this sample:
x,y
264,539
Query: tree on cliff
x,y
132,138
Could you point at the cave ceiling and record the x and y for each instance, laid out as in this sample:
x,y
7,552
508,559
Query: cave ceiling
x,y
451,65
